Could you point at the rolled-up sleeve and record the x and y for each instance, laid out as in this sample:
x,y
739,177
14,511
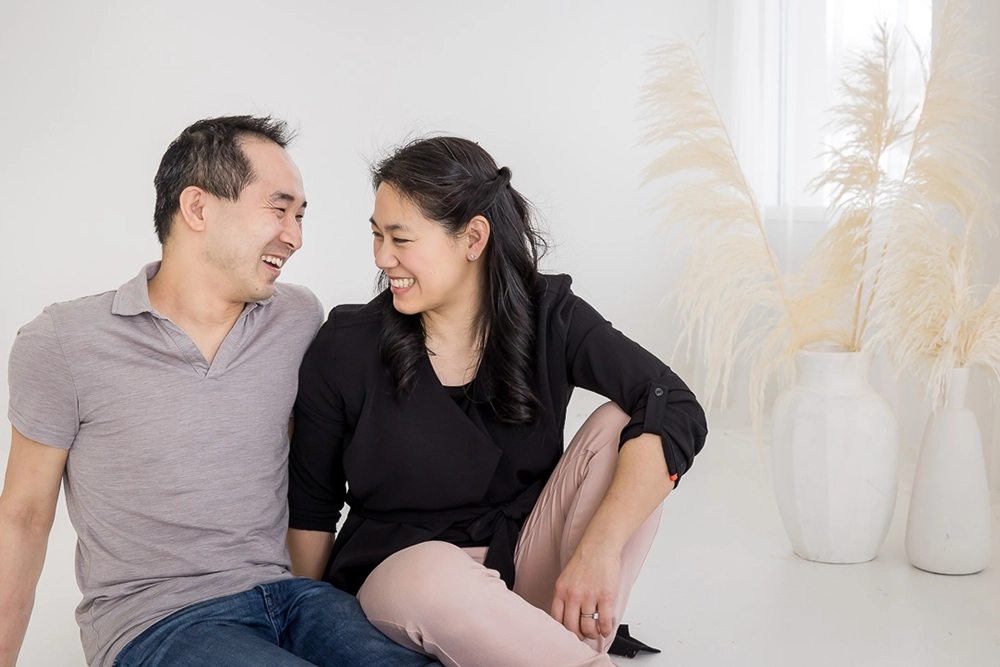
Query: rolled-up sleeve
x,y
672,412
603,360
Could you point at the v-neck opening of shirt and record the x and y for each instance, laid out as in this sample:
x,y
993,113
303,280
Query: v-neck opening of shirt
x,y
186,346
450,392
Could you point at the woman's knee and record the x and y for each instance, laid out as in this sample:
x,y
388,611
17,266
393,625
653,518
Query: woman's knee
x,y
602,430
424,581
609,413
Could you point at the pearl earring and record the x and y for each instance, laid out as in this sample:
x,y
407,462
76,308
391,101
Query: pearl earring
x,y
472,256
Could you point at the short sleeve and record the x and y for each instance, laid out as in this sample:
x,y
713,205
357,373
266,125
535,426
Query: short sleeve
x,y
44,406
309,305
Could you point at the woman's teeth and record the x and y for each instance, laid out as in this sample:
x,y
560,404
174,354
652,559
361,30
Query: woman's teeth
x,y
401,283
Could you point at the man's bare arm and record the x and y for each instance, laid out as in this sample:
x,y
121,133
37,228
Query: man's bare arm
x,y
27,508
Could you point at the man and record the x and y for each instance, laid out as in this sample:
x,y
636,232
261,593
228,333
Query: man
x,y
165,407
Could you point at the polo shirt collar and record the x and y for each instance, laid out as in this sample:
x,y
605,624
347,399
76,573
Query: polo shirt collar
x,y
132,298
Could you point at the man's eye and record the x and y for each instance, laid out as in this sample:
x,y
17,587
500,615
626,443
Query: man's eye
x,y
376,235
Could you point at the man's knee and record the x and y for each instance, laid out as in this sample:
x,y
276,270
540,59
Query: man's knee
x,y
317,602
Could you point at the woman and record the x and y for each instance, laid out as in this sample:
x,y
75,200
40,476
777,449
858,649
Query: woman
x,y
441,404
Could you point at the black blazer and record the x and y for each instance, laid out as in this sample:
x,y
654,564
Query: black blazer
x,y
421,468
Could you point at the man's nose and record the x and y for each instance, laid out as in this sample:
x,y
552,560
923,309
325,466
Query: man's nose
x,y
291,233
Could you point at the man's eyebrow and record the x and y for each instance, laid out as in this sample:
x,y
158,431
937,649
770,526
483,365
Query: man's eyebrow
x,y
395,227
285,197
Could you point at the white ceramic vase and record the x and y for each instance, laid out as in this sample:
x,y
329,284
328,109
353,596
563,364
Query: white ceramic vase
x,y
835,447
948,527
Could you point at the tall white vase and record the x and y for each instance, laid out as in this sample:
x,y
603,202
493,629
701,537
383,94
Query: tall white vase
x,y
948,528
835,447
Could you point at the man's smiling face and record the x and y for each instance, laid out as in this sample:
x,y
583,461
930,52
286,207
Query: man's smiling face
x,y
254,236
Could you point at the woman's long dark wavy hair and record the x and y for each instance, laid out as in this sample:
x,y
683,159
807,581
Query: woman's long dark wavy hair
x,y
452,180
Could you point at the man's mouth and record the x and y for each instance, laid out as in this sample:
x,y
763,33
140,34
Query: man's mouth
x,y
274,260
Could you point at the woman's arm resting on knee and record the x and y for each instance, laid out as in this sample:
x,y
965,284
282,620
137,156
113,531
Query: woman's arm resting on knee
x,y
666,430
591,578
309,551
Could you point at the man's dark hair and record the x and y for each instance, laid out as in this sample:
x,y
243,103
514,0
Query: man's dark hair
x,y
207,154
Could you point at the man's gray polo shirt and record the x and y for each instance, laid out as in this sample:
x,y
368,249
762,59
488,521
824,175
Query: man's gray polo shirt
x,y
176,478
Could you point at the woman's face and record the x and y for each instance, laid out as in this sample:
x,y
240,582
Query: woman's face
x,y
429,271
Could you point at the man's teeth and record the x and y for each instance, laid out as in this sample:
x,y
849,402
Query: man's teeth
x,y
271,259
402,282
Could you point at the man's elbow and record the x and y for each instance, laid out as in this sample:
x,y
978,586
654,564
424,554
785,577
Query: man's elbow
x,y
26,520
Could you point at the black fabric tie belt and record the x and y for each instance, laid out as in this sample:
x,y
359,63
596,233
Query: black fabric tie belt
x,y
500,524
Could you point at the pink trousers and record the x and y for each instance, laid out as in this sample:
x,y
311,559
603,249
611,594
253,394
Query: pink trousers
x,y
439,599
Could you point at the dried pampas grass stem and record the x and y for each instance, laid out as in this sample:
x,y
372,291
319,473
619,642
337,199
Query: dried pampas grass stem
x,y
710,209
857,179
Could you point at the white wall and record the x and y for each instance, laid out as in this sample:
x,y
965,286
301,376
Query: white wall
x,y
93,92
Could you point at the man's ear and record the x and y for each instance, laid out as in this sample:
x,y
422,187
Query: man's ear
x,y
192,207
478,234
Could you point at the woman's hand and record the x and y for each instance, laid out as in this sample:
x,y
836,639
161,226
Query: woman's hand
x,y
588,584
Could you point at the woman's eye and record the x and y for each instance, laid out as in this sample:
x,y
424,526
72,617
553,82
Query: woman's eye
x,y
400,241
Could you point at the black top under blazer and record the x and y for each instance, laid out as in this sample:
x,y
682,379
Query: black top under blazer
x,y
422,468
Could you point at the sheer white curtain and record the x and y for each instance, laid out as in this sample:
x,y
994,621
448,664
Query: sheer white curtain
x,y
786,58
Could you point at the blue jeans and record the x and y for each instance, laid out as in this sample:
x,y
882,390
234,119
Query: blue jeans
x,y
297,622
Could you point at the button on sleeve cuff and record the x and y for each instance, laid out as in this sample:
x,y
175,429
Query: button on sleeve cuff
x,y
672,412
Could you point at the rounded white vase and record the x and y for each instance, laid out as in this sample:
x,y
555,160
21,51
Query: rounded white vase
x,y
948,527
835,446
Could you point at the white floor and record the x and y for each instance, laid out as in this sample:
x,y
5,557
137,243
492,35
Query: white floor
x,y
721,587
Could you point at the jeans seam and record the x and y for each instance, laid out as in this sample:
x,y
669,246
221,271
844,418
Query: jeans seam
x,y
269,609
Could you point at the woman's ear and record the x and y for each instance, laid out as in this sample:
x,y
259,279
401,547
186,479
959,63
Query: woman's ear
x,y
477,233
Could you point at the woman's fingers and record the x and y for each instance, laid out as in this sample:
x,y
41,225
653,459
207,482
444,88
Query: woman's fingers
x,y
606,620
557,609
588,625
570,615
584,596
578,621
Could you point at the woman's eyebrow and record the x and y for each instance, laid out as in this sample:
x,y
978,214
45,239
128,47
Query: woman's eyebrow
x,y
394,227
